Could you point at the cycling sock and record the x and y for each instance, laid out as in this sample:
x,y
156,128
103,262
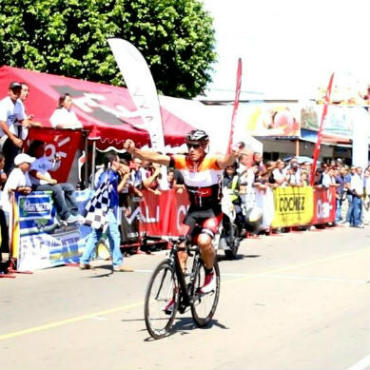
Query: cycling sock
x,y
208,271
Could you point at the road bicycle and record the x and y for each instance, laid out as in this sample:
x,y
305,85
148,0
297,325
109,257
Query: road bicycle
x,y
169,284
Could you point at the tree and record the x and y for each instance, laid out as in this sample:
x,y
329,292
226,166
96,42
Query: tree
x,y
68,37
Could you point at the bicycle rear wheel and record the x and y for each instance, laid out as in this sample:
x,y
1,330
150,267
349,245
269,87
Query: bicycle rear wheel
x,y
204,305
162,291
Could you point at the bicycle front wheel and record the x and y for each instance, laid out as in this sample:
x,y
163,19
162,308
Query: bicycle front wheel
x,y
204,305
161,300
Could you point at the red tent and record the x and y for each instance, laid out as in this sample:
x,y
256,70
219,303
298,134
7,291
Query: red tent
x,y
107,112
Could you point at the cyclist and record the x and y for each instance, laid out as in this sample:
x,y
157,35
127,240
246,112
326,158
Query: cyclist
x,y
202,174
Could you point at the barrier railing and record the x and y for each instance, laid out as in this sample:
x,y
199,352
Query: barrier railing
x,y
38,241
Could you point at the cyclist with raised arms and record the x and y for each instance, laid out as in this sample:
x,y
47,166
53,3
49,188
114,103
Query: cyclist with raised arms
x,y
202,174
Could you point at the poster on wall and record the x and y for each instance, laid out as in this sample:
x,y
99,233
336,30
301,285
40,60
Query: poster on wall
x,y
269,119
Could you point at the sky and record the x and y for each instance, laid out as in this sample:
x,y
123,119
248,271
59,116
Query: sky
x,y
288,47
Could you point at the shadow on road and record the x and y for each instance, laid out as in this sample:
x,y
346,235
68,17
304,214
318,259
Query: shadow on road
x,y
184,325
103,274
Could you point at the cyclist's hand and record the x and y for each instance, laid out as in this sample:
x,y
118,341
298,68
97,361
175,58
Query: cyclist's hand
x,y
129,145
235,150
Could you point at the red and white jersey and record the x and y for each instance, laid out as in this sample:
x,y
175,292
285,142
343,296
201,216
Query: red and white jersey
x,y
203,179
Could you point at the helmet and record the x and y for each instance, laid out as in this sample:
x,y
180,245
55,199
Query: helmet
x,y
253,219
197,135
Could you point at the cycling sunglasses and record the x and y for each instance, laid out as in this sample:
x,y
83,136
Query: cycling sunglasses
x,y
193,145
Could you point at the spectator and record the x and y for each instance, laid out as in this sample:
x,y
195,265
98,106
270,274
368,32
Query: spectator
x,y
305,178
278,174
151,182
244,163
11,118
294,175
328,178
179,184
63,193
4,246
171,178
3,176
258,161
110,184
63,117
318,177
342,180
356,187
366,202
29,122
18,180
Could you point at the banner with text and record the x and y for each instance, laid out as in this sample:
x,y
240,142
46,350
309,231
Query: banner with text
x,y
293,206
40,241
163,215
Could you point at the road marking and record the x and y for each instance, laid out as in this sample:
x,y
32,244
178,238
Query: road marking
x,y
56,324
295,267
316,278
363,364
296,277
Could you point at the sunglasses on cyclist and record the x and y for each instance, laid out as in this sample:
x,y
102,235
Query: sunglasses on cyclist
x,y
195,146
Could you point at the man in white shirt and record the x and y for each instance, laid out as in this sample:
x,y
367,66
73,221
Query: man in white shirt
x,y
28,122
63,117
11,120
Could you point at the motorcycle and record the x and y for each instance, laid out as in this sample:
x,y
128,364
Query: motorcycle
x,y
229,233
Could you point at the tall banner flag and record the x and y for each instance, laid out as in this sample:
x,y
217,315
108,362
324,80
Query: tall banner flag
x,y
316,151
143,91
140,84
236,103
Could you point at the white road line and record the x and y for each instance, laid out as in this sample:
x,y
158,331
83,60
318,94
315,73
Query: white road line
x,y
363,364
315,278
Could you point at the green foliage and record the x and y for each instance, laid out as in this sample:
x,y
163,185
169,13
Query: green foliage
x,y
68,37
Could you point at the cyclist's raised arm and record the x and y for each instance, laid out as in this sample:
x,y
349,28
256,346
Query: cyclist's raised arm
x,y
148,155
228,159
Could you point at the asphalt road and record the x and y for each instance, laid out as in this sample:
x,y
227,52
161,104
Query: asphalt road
x,y
293,301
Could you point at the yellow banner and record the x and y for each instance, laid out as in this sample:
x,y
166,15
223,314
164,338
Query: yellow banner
x,y
293,206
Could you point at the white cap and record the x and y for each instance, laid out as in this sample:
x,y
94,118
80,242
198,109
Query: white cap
x,y
23,158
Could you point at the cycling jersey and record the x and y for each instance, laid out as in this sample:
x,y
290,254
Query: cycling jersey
x,y
202,180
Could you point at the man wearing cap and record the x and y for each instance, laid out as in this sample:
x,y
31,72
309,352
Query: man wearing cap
x,y
11,119
18,179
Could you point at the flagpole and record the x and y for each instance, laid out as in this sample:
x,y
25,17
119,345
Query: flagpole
x,y
316,151
236,103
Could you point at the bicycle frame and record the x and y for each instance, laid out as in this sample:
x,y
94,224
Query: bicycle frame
x,y
186,299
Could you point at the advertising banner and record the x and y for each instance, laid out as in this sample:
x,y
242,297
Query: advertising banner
x,y
37,239
140,84
36,213
44,250
163,215
325,205
293,206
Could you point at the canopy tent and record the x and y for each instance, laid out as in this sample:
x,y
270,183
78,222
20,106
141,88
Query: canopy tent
x,y
107,112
